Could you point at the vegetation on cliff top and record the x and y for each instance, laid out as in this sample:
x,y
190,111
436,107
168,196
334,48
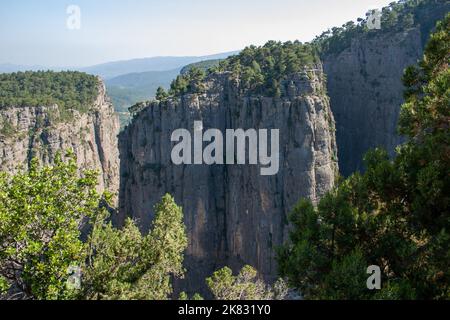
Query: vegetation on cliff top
x,y
396,17
69,90
203,65
260,69
395,215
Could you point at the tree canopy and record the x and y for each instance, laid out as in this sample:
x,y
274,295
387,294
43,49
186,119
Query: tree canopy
x,y
123,264
395,215
46,212
397,16
245,286
259,69
69,90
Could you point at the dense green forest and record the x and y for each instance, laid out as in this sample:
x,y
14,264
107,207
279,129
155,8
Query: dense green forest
x,y
260,69
395,215
69,90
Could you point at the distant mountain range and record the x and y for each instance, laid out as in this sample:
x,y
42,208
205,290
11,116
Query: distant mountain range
x,y
125,90
139,78
9,68
114,69
131,81
117,68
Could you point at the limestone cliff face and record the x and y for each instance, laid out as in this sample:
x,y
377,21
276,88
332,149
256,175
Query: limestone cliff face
x,y
40,132
234,215
366,91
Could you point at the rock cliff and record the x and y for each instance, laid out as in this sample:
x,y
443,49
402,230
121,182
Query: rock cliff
x,y
40,132
365,87
233,214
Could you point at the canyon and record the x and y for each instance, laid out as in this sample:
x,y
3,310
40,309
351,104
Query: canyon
x,y
328,116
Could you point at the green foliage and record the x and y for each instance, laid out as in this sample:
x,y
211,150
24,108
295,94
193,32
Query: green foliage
x,y
395,215
138,107
260,69
69,90
123,264
161,94
427,94
195,297
4,285
7,129
398,16
347,278
202,65
190,82
245,286
40,213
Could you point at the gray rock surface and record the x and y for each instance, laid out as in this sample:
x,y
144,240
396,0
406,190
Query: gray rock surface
x,y
366,92
234,215
36,132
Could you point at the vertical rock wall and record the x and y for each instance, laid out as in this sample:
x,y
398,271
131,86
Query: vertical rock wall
x,y
40,132
233,214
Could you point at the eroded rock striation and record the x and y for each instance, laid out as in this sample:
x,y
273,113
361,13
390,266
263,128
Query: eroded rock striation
x,y
233,214
364,83
41,132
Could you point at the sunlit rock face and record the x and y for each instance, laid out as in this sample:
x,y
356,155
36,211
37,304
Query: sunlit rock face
x,y
41,132
233,214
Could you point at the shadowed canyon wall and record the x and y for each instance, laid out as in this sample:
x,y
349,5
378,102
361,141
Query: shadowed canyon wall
x,y
364,83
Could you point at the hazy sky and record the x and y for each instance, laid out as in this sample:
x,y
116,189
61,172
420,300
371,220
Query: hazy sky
x,y
34,32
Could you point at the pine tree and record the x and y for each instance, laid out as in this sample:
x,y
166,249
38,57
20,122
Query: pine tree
x,y
161,94
395,215
123,264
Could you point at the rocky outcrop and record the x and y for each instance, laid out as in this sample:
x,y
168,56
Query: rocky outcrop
x,y
233,214
366,92
365,85
41,132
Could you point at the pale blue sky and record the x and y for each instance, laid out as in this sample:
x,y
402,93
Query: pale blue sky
x,y
34,32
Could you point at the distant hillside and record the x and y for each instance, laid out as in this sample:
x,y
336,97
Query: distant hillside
x,y
9,68
117,68
203,65
128,89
